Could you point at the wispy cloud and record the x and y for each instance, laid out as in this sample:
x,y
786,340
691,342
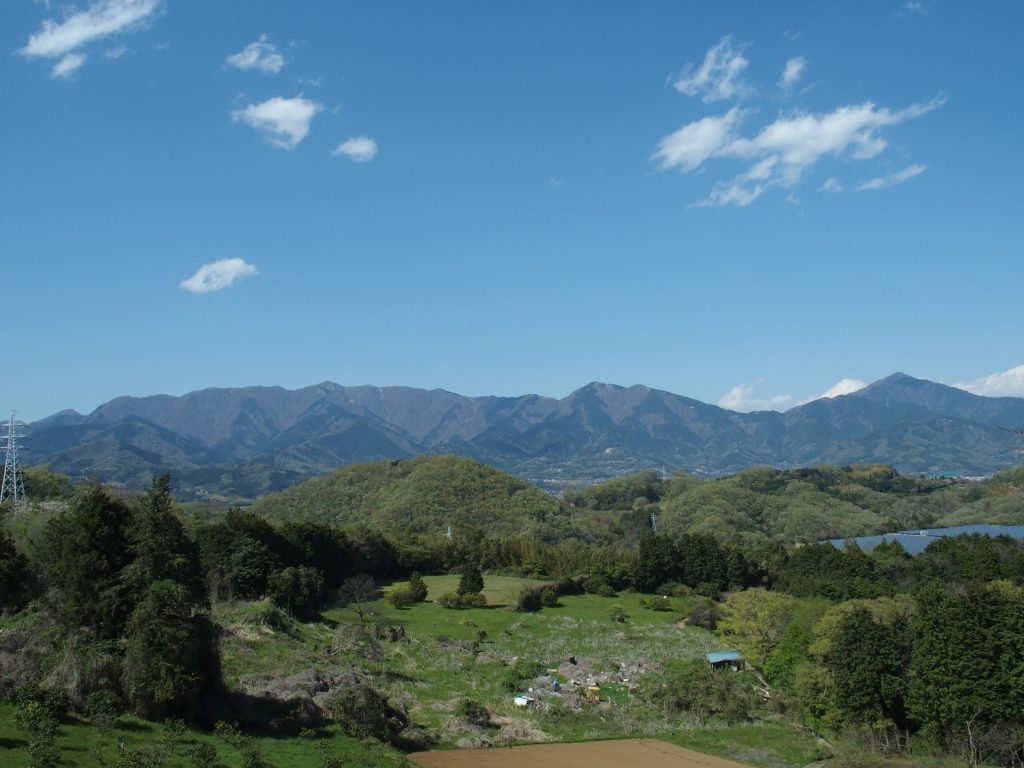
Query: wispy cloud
x,y
718,77
261,55
698,141
915,7
782,151
831,184
112,54
881,182
217,275
68,65
742,398
1006,384
556,181
104,18
792,72
359,149
842,387
284,122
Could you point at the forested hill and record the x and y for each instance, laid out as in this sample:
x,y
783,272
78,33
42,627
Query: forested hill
x,y
801,505
424,495
241,443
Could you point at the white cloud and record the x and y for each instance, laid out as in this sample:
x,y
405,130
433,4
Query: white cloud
x,y
285,122
555,181
914,6
718,77
115,53
359,149
831,184
68,65
881,182
792,72
59,40
261,55
741,398
217,275
1006,384
784,149
841,387
695,142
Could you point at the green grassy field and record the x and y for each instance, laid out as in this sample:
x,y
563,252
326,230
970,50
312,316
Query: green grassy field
x,y
83,744
448,655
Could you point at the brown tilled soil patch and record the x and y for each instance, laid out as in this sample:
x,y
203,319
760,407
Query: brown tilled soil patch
x,y
634,753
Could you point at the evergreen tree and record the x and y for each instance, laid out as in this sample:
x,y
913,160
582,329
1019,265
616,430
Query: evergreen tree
x,y
84,551
417,588
15,574
869,662
170,656
160,546
299,591
968,663
655,563
471,581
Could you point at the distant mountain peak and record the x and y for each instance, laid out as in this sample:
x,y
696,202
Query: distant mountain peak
x,y
598,431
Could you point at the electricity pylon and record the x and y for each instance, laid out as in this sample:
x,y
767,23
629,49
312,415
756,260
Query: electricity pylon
x,y
13,487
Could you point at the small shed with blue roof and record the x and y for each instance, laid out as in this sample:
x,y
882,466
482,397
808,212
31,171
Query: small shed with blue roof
x,y
722,659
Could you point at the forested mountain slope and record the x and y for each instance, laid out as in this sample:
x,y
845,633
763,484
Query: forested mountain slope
x,y
240,443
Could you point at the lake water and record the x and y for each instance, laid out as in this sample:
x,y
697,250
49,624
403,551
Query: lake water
x,y
918,540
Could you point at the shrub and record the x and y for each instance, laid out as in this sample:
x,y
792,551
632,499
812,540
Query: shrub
x,y
617,613
657,604
549,598
102,707
473,712
472,600
707,589
401,596
448,600
362,711
705,615
417,588
471,581
467,600
697,688
299,591
527,601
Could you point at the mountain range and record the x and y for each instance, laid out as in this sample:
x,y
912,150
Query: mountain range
x,y
242,442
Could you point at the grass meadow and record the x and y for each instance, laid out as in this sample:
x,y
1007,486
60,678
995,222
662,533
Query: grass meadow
x,y
486,654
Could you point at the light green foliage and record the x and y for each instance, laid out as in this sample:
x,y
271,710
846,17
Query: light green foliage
x,y
423,495
780,667
42,483
885,610
754,620
38,720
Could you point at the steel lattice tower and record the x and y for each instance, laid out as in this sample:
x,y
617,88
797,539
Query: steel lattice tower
x,y
13,487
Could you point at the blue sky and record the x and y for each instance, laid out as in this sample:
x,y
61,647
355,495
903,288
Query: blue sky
x,y
745,203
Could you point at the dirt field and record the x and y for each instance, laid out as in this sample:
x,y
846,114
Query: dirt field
x,y
635,753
